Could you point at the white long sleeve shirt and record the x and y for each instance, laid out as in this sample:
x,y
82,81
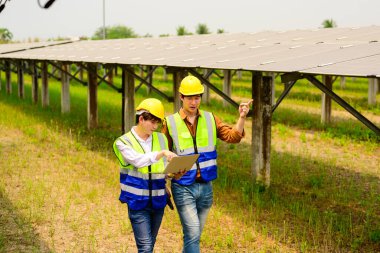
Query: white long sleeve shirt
x,y
135,158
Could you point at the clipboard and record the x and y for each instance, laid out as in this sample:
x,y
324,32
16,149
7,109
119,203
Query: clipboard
x,y
179,163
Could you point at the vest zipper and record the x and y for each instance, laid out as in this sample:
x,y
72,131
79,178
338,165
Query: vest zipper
x,y
150,181
196,147
150,185
149,172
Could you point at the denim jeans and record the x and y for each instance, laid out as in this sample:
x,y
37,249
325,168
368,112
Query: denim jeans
x,y
145,224
193,203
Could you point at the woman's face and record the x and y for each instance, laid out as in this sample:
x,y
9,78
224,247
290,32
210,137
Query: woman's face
x,y
149,125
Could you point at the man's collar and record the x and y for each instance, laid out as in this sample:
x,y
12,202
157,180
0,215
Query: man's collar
x,y
183,115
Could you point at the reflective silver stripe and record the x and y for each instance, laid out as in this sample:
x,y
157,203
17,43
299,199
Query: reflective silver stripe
x,y
135,173
194,167
209,148
174,133
161,140
210,128
207,163
204,164
125,139
187,151
141,192
191,150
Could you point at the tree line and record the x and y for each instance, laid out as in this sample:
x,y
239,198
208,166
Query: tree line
x,y
122,32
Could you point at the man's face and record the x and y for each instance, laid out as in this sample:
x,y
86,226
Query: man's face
x,y
191,103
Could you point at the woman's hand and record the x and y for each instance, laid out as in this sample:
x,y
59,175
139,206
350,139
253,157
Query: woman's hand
x,y
169,155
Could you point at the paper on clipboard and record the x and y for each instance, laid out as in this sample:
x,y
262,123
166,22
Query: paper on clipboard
x,y
179,163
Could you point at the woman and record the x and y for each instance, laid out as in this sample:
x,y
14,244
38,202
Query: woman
x,y
142,154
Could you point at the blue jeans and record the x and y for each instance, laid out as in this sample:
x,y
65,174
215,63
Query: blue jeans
x,y
145,224
193,203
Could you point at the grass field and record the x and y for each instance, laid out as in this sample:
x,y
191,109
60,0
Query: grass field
x,y
59,185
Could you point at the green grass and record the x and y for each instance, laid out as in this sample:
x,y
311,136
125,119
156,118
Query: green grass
x,y
59,184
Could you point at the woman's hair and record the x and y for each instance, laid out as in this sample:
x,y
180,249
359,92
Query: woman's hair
x,y
148,116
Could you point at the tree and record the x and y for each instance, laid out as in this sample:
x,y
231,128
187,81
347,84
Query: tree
x,y
5,35
181,31
115,32
202,29
329,23
219,31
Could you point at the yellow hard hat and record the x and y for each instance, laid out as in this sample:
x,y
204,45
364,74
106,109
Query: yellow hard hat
x,y
153,106
191,85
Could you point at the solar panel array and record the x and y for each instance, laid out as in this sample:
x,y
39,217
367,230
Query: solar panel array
x,y
333,51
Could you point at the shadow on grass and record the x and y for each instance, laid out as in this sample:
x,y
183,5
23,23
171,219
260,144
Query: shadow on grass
x,y
16,232
326,208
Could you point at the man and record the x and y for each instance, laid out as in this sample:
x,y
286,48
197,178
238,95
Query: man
x,y
190,131
140,153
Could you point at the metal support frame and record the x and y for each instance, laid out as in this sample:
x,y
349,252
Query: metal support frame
x,y
288,87
343,103
218,75
215,89
146,78
296,76
102,79
67,72
209,73
50,74
170,99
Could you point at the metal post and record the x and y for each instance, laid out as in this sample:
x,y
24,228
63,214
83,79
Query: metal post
x,y
227,85
65,90
92,97
34,82
45,85
178,75
261,127
8,82
128,99
20,80
326,101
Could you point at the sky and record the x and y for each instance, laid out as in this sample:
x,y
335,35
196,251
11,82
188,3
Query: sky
x,y
74,18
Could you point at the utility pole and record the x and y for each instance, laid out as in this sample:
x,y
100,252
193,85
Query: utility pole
x,y
104,19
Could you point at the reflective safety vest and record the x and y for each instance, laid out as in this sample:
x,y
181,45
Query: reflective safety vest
x,y
203,143
141,186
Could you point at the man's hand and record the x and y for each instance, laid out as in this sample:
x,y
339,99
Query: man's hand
x,y
178,175
244,108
